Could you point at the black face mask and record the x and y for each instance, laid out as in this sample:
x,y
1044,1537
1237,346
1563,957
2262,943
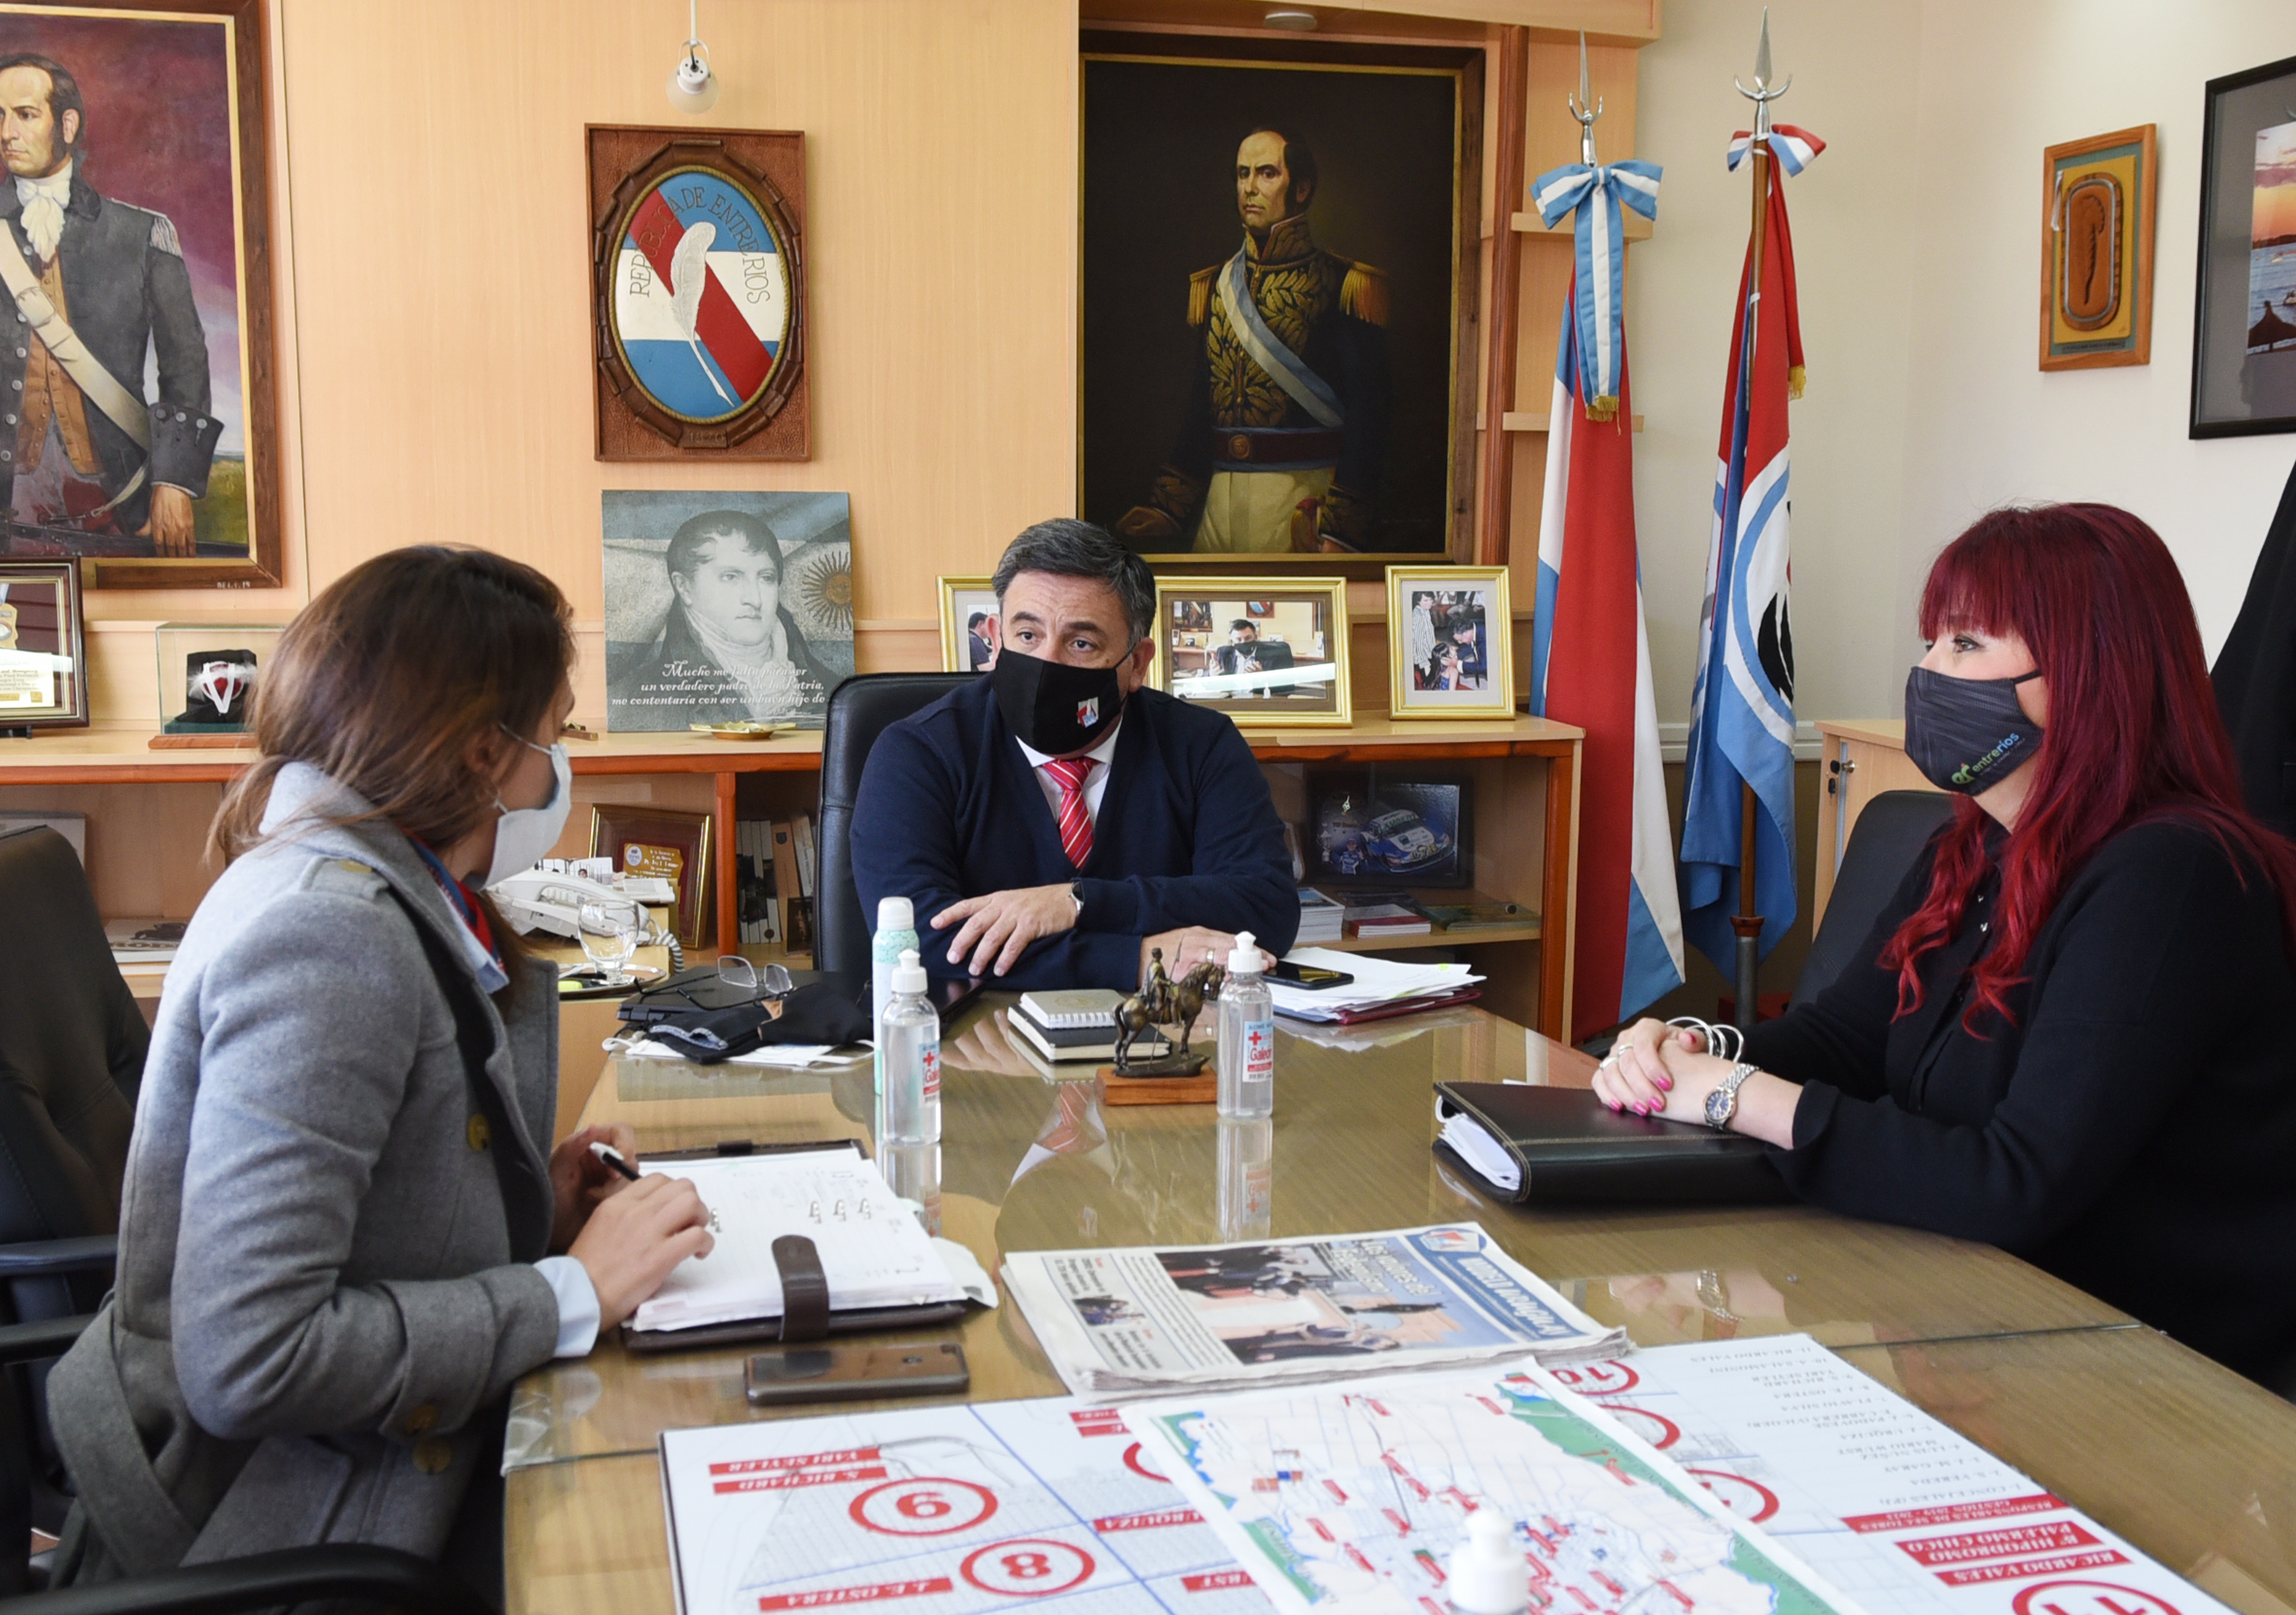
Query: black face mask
x,y
1053,707
1967,734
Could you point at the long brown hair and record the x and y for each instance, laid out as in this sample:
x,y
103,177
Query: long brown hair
x,y
385,681
2133,735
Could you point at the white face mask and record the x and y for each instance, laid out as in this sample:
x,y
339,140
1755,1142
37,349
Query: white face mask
x,y
524,836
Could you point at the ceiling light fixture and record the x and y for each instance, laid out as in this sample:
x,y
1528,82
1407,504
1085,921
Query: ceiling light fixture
x,y
1292,19
692,87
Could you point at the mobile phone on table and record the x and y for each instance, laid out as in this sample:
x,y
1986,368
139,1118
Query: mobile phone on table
x,y
846,1371
1312,978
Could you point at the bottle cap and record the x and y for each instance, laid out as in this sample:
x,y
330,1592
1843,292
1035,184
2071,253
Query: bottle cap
x,y
896,914
1244,960
909,974
1488,1574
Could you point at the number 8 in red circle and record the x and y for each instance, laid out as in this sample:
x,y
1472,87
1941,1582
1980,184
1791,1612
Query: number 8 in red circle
x,y
1027,1567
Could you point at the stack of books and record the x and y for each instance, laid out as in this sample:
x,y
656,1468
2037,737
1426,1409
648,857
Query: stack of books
x,y
1078,1024
1320,918
1397,918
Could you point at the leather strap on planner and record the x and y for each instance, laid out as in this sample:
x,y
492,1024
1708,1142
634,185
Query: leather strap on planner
x,y
805,1288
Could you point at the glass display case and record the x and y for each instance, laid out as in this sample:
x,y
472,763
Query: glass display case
x,y
207,671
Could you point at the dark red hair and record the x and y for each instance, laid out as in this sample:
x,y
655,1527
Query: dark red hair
x,y
2133,730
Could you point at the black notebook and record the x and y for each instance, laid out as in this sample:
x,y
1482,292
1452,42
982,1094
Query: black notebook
x,y
1563,1143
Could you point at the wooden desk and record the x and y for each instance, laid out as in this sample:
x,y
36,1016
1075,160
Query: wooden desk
x,y
2161,1443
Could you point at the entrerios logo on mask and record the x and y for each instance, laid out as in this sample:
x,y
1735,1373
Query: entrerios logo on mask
x,y
1967,734
1969,773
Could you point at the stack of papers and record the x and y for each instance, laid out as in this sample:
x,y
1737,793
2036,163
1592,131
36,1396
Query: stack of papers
x,y
778,1056
1380,986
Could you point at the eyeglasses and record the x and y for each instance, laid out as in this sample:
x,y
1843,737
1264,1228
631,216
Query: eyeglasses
x,y
772,982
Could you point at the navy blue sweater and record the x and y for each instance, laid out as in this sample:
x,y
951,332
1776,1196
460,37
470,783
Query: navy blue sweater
x,y
1187,835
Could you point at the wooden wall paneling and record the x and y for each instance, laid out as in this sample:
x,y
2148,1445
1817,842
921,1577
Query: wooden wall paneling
x,y
146,843
1494,471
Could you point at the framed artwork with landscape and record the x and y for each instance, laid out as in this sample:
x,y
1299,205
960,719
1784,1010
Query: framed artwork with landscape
x,y
1270,653
1279,273
141,429
1450,642
2243,339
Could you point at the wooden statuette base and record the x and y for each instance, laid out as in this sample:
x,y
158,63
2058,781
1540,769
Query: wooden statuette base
x,y
236,740
1204,1088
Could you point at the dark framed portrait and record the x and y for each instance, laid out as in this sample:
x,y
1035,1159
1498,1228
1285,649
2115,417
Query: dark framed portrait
x,y
698,260
659,841
1279,269
43,647
1374,827
139,431
2243,339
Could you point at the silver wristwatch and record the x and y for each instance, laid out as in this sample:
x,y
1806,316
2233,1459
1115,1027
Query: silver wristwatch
x,y
1722,1104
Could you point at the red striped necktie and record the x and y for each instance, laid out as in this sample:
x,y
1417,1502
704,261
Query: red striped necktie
x,y
1076,825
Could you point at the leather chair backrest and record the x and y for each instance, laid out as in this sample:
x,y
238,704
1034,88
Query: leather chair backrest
x,y
1888,835
861,709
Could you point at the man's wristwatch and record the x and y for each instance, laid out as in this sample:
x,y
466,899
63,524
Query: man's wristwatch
x,y
1076,896
1722,1104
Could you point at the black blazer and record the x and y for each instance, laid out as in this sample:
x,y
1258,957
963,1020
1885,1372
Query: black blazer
x,y
2132,1129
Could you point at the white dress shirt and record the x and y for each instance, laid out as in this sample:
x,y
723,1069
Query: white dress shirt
x,y
1096,785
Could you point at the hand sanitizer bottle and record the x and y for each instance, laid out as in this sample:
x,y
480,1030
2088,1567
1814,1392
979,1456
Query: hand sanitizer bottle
x,y
909,1036
1247,1037
897,930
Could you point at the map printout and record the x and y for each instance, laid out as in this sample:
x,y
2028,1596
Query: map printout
x,y
1350,1500
1897,1511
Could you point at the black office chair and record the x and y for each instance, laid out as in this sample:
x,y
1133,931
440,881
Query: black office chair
x,y
1888,835
72,1046
861,709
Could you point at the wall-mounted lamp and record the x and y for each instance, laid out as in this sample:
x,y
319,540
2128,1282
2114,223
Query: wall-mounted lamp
x,y
692,87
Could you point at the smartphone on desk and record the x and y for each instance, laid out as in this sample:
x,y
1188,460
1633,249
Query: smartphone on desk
x,y
1312,977
848,1370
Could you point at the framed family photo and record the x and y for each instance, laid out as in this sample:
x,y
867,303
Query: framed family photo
x,y
136,249
1450,642
1270,653
43,647
1279,262
970,624
2243,339
725,607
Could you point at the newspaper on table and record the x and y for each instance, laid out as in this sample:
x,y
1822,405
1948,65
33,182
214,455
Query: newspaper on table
x,y
1350,1500
1198,1318
1899,1511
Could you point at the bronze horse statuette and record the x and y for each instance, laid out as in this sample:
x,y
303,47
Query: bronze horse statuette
x,y
1163,1002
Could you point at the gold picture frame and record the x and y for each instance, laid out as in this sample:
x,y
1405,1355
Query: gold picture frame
x,y
1427,608
1296,626
2096,229
679,845
961,598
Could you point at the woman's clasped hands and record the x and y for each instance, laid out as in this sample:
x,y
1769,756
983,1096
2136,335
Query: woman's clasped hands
x,y
1657,1069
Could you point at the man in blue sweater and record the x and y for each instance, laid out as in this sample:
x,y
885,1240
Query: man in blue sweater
x,y
1056,820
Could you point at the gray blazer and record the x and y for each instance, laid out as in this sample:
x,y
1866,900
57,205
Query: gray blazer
x,y
316,1290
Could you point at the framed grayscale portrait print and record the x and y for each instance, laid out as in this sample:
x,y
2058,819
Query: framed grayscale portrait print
x,y
1279,262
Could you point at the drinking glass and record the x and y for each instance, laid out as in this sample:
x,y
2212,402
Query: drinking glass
x,y
610,936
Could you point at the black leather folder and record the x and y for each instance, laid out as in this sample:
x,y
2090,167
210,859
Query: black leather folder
x,y
1571,1147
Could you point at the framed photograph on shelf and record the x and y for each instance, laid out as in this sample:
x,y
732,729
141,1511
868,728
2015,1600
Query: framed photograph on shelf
x,y
1270,653
970,631
2244,337
149,124
2096,229
1450,642
1280,271
43,647
1373,827
657,841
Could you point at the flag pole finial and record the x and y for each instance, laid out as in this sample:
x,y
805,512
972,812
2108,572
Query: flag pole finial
x,y
1763,91
1580,105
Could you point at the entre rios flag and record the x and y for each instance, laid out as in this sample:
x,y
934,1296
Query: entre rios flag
x,y
1742,705
1590,654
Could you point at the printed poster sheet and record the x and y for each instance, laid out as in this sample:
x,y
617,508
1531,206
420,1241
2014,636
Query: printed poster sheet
x,y
1351,1499
1196,1317
1903,1514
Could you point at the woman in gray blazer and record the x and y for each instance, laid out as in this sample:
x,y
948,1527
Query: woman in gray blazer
x,y
343,1232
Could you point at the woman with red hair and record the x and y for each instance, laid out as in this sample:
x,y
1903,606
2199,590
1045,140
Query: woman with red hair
x,y
2067,1034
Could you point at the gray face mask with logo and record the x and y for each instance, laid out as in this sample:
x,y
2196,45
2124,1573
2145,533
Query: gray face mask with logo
x,y
1967,734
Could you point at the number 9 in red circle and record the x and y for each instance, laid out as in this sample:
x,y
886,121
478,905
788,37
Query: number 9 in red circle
x,y
923,1505
1027,1567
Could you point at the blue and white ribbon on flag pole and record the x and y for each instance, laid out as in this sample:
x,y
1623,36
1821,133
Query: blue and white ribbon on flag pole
x,y
1599,238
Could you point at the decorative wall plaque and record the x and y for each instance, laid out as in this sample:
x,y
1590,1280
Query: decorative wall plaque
x,y
2096,251
697,254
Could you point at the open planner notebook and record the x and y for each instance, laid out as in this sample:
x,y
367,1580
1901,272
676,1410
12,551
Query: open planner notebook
x,y
872,1249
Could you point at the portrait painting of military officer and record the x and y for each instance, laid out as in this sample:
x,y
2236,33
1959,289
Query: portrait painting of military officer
x,y
122,429
1284,390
